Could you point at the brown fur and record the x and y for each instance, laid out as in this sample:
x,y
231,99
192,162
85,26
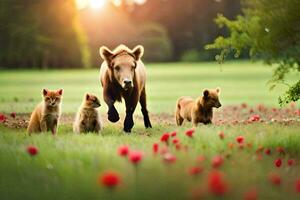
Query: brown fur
x,y
199,110
87,118
46,115
123,75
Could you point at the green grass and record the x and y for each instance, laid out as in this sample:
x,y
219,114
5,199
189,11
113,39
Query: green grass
x,y
240,82
68,165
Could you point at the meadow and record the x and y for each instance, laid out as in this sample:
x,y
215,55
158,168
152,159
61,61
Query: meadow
x,y
237,157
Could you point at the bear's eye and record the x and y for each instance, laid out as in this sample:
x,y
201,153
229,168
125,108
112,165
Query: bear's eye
x,y
117,68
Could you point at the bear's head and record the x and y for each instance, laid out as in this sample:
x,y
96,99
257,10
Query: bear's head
x,y
211,98
122,63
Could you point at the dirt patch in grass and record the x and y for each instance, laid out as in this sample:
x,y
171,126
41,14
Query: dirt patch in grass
x,y
234,114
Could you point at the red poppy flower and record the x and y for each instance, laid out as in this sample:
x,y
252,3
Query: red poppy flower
x,y
275,179
254,118
200,158
175,141
221,135
216,183
32,150
190,132
165,137
3,118
135,156
268,151
173,134
297,185
13,115
291,162
178,147
109,179
278,162
155,148
164,149
251,194
217,161
195,170
280,150
240,139
123,150
169,158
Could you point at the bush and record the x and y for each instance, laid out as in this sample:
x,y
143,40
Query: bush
x,y
269,29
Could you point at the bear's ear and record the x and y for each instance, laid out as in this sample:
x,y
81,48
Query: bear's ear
x,y
218,90
205,93
45,92
106,54
138,52
60,91
87,96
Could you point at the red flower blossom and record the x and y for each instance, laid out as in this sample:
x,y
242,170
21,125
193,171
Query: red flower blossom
x,y
195,170
109,179
178,147
32,150
268,151
155,148
254,118
13,114
278,162
297,185
251,194
275,179
165,137
240,139
169,158
3,118
123,150
217,161
190,132
280,150
216,183
291,162
164,150
175,141
200,158
135,156
221,135
173,134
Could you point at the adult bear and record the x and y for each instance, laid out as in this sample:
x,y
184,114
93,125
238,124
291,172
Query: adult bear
x,y
123,74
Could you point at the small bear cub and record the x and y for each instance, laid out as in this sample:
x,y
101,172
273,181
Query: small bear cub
x,y
46,115
199,110
87,118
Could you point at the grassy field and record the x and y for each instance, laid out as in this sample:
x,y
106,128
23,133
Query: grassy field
x,y
68,166
240,82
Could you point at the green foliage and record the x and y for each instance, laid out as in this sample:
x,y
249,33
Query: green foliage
x,y
41,33
157,44
269,30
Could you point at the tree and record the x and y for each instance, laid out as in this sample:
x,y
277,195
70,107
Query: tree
x,y
268,30
41,33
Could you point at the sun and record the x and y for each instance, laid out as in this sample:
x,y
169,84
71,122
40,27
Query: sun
x,y
93,4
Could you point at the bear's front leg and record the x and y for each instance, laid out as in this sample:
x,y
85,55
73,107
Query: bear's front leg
x,y
112,113
130,108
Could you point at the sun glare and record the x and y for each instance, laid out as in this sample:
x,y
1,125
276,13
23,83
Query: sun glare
x,y
93,4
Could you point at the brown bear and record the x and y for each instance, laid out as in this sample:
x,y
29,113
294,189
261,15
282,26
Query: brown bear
x,y
123,75
199,110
